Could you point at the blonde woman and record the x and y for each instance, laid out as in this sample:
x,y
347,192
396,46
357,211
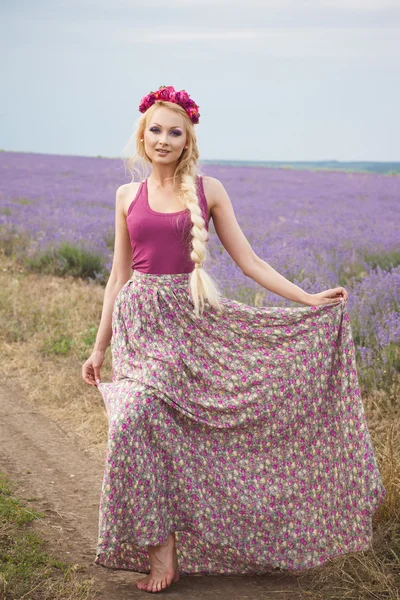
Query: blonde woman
x,y
237,438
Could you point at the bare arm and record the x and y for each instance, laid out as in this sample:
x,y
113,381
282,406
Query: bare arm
x,y
119,275
120,271
236,243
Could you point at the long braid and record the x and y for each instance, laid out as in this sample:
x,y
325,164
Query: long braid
x,y
202,286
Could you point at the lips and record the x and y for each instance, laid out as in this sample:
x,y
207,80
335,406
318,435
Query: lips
x,y
163,151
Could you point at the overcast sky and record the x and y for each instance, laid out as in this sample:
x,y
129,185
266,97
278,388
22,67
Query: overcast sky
x,y
274,79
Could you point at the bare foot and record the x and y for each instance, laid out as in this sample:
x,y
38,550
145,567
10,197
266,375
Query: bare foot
x,y
163,567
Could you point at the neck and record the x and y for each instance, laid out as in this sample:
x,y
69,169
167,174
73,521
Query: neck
x,y
161,176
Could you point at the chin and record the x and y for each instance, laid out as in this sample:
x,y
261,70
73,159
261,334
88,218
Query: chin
x,y
165,159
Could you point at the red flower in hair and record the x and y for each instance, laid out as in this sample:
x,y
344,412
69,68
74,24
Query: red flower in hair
x,y
169,94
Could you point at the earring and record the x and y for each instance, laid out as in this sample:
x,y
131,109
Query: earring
x,y
141,140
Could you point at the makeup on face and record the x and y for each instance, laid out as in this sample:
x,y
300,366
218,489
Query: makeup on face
x,y
176,130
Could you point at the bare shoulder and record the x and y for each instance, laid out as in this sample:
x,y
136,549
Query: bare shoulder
x,y
211,185
214,191
125,194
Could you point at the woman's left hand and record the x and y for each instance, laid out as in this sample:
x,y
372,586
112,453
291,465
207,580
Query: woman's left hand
x,y
331,296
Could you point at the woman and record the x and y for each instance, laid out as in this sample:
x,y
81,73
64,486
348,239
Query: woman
x,y
237,438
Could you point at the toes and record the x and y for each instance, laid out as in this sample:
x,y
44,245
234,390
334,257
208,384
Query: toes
x,y
154,585
141,584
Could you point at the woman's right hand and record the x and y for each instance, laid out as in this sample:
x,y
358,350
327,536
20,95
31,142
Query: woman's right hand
x,y
91,368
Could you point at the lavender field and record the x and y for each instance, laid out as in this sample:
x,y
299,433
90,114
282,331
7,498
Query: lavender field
x,y
319,229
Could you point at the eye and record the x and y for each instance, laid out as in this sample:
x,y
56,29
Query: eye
x,y
155,129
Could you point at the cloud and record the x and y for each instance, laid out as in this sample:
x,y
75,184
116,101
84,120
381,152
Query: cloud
x,y
155,37
332,43
288,29
267,6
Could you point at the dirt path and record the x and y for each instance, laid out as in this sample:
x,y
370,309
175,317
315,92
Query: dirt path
x,y
48,464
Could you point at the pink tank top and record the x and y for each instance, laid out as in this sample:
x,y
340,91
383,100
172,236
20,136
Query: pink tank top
x,y
161,242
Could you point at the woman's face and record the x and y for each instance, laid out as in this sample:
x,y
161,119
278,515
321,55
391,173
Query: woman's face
x,y
166,131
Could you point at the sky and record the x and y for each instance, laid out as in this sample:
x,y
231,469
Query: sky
x,y
279,80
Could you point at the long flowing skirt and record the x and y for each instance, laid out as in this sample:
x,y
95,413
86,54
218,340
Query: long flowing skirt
x,y
244,432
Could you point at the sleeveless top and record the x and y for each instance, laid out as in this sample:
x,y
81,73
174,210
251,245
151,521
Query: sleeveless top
x,y
161,242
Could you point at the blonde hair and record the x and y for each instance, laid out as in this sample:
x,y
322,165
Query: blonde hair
x,y
201,285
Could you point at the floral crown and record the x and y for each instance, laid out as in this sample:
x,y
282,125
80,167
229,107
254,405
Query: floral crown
x,y
171,95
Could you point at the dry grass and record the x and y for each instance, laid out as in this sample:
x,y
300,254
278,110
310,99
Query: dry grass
x,y
48,326
47,329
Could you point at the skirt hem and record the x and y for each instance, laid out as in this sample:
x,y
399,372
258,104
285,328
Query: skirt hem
x,y
103,561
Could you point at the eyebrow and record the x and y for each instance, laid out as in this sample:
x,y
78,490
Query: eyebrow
x,y
174,127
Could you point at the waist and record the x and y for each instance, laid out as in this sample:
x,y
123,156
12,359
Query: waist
x,y
161,279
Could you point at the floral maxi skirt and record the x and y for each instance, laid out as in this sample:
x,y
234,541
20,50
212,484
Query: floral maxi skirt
x,y
244,432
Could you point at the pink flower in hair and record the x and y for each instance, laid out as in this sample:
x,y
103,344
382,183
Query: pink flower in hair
x,y
147,101
165,93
